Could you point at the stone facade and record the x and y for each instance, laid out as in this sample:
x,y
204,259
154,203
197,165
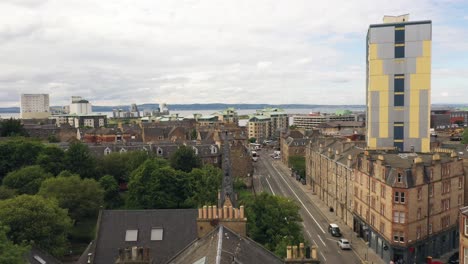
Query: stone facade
x,y
406,204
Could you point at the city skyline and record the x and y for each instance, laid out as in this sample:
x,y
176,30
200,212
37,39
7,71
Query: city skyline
x,y
114,53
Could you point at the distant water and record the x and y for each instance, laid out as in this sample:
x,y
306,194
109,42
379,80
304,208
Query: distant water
x,y
189,113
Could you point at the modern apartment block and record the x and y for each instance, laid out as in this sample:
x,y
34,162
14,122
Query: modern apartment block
x,y
312,120
259,127
35,106
228,116
406,204
399,84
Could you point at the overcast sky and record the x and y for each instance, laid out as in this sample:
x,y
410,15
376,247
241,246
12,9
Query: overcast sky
x,y
241,51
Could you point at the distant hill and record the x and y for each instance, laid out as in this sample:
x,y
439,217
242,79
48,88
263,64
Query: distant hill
x,y
219,106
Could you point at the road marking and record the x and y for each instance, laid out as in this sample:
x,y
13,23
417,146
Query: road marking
x,y
299,200
324,258
323,242
269,185
308,233
315,243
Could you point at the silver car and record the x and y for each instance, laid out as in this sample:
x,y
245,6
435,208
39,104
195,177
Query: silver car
x,y
344,243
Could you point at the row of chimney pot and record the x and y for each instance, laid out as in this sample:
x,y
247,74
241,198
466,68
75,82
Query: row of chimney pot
x,y
134,253
293,252
227,212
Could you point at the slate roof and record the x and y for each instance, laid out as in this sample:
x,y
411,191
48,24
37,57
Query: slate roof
x,y
333,124
179,230
231,247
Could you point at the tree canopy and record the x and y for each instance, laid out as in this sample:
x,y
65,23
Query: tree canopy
x,y
121,165
205,184
51,159
185,159
110,186
26,180
82,197
9,252
465,136
34,218
297,163
17,153
78,159
12,127
266,209
156,185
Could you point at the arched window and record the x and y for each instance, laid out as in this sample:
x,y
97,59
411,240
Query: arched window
x,y
159,151
195,150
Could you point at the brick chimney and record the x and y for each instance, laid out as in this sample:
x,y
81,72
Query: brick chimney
x,y
209,217
134,255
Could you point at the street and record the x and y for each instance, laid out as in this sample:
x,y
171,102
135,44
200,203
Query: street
x,y
276,179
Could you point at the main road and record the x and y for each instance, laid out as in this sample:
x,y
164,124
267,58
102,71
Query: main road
x,y
277,180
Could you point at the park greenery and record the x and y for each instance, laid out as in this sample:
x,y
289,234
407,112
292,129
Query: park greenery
x,y
50,197
465,136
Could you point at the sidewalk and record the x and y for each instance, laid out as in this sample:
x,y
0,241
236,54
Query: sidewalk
x,y
358,244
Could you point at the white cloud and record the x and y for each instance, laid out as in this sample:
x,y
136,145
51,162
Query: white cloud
x,y
237,51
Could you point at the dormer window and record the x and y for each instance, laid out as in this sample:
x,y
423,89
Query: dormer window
x,y
195,150
107,151
131,235
159,151
214,150
122,150
399,178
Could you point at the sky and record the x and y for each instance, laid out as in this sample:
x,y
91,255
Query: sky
x,y
117,52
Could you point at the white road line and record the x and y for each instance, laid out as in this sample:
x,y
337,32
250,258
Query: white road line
x,y
323,242
324,258
299,199
315,243
269,185
308,233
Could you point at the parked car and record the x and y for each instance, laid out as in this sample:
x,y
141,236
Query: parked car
x,y
334,230
454,259
343,243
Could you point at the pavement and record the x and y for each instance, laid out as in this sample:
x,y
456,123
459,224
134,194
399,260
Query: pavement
x,y
359,246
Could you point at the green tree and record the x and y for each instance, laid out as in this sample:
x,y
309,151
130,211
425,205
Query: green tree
x,y
266,209
26,180
205,184
82,197
156,185
9,252
193,134
252,140
297,163
51,159
121,165
34,218
185,159
465,136
110,186
7,193
17,153
12,127
78,159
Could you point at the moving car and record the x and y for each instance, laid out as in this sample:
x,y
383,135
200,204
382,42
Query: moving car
x,y
334,230
343,243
